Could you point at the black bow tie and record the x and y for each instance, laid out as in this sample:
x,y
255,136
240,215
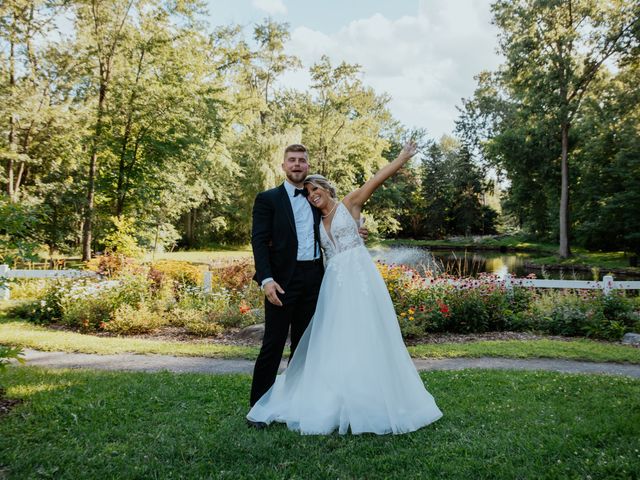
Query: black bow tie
x,y
301,191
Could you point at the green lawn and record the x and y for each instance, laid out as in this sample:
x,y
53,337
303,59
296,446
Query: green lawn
x,y
24,334
496,424
513,242
601,260
203,256
582,349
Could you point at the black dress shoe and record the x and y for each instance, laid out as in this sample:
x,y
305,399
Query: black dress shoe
x,y
256,425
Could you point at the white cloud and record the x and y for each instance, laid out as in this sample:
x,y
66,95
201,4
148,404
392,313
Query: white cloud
x,y
425,62
272,7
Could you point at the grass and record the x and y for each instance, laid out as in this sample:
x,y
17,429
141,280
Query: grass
x,y
203,256
496,424
582,349
24,334
601,260
513,242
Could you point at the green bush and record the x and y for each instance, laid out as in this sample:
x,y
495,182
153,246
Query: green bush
x,y
27,288
203,328
87,306
584,313
179,274
45,309
130,320
9,353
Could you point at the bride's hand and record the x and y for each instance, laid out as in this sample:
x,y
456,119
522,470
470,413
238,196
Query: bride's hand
x,y
409,150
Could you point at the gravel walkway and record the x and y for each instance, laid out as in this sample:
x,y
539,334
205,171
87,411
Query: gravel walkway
x,y
154,363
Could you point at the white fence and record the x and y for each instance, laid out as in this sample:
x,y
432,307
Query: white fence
x,y
6,272
607,285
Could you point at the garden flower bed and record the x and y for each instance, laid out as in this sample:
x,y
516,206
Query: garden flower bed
x,y
165,299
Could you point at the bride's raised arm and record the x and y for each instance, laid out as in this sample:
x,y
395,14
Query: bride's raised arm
x,y
356,199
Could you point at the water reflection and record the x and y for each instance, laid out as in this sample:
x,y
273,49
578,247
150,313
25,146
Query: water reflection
x,y
471,264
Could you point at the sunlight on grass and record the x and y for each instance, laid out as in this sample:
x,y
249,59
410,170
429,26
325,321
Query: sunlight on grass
x,y
23,391
586,350
203,256
30,336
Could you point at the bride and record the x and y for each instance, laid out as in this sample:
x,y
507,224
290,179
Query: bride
x,y
351,369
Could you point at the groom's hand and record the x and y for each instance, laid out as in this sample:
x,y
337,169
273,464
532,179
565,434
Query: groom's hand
x,y
271,291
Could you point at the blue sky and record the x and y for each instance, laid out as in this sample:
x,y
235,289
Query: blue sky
x,y
424,53
327,16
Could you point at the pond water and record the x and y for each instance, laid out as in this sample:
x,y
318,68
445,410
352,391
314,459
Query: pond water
x,y
471,263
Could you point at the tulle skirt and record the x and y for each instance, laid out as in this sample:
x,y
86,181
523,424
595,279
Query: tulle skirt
x,y
351,369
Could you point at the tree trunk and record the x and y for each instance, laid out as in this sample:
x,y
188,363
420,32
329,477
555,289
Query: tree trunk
x,y
122,165
87,227
13,146
565,250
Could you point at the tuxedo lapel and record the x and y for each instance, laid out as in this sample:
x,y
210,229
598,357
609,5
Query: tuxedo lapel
x,y
286,205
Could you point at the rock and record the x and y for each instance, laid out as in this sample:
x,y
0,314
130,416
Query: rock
x,y
631,338
255,332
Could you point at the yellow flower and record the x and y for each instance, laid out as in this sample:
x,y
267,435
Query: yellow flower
x,y
403,314
411,311
411,318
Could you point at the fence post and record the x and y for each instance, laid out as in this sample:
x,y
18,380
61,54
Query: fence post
x,y
5,294
207,282
607,284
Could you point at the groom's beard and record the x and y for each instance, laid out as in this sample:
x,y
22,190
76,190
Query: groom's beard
x,y
296,177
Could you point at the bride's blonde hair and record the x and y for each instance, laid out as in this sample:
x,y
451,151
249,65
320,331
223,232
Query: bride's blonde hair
x,y
321,182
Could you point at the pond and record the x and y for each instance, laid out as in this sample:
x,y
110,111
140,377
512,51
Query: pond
x,y
470,263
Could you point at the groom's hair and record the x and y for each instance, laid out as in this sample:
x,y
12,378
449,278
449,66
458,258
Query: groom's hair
x,y
296,147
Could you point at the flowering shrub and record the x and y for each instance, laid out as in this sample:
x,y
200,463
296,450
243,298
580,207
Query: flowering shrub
x,y
234,276
178,274
112,264
135,298
584,312
47,308
195,298
88,305
475,305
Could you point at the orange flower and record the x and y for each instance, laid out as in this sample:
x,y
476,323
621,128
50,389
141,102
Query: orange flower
x,y
244,308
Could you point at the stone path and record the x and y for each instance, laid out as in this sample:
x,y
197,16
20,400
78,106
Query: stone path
x,y
154,363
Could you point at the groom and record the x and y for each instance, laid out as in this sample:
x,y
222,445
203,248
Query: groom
x,y
289,269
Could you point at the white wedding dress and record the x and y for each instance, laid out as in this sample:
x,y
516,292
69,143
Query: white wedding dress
x,y
351,369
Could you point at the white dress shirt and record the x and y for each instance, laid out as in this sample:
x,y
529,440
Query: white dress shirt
x,y
303,217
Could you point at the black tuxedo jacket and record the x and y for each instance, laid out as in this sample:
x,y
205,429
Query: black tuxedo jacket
x,y
273,236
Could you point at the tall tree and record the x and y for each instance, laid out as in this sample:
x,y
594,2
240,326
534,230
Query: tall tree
x,y
101,26
554,50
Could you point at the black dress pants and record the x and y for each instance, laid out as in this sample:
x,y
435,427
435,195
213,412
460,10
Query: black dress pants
x,y
299,304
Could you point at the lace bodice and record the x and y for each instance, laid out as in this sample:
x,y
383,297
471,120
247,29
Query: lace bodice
x,y
343,233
